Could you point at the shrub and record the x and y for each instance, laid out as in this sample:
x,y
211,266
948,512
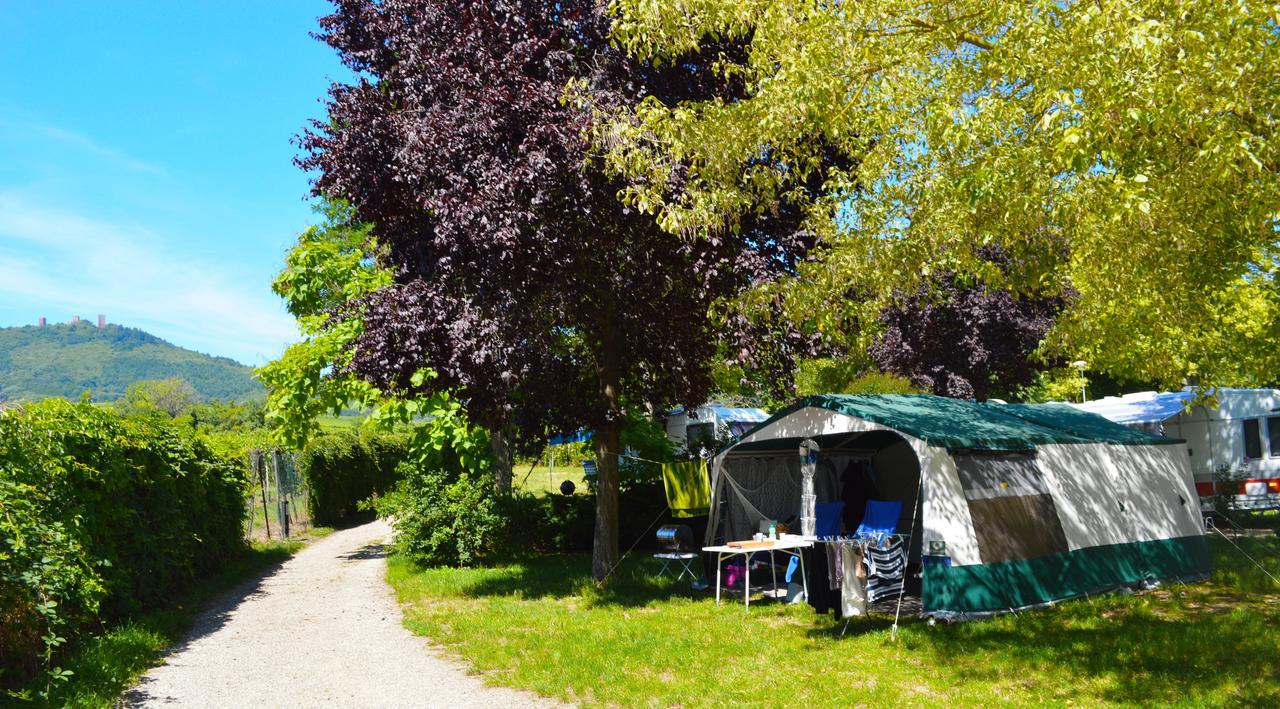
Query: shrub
x,y
445,516
104,516
445,509
342,470
551,523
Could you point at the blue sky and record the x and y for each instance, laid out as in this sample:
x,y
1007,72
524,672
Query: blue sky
x,y
146,166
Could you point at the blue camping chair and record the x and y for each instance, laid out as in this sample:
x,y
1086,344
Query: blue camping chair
x,y
880,519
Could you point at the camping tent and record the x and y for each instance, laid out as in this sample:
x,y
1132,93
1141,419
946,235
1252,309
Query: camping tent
x,y
1007,505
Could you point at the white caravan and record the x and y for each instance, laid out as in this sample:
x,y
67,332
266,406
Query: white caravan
x,y
700,427
1239,437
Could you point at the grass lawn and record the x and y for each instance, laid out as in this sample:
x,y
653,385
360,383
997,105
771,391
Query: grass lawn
x,y
540,624
105,665
540,479
340,424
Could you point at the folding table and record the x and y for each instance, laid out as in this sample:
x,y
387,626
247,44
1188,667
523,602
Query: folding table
x,y
788,544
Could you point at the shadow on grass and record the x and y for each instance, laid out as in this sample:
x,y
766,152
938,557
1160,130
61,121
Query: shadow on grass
x,y
634,583
1211,642
1143,657
105,665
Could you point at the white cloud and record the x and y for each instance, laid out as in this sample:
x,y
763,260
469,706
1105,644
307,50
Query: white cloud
x,y
89,145
57,258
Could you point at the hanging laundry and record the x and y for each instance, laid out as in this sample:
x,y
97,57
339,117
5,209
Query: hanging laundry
x,y
833,565
821,595
853,591
688,488
886,566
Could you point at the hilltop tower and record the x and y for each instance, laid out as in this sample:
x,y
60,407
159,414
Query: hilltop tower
x,y
75,319
42,321
102,321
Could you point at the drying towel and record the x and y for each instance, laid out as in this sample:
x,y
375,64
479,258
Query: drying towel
x,y
688,489
833,566
853,589
886,566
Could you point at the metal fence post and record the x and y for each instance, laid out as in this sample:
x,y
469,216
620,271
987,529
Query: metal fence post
x,y
282,503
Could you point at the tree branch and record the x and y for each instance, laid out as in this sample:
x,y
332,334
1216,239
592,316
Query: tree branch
x,y
966,37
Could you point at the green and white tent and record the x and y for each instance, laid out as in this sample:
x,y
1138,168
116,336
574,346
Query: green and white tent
x,y
1008,505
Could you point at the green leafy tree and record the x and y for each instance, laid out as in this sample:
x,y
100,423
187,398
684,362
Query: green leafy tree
x,y
326,273
227,416
837,376
170,397
1123,151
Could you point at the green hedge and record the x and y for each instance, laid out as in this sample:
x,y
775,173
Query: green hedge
x,y
344,469
103,516
566,523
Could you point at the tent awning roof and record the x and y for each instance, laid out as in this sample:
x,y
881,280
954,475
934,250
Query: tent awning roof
x,y
957,424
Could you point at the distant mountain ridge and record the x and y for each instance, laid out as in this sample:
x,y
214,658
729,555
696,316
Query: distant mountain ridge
x,y
68,359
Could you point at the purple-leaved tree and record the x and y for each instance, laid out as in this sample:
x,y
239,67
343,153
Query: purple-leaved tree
x,y
521,281
964,340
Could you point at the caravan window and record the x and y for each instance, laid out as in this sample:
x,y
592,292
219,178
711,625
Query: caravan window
x,y
1273,436
1252,439
700,435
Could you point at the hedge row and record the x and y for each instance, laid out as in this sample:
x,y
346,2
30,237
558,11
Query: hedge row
x,y
104,516
566,523
344,469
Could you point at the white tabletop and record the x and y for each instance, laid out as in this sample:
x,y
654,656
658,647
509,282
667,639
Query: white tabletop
x,y
786,542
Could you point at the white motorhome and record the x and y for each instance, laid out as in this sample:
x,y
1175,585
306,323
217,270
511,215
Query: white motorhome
x,y
691,428
1240,436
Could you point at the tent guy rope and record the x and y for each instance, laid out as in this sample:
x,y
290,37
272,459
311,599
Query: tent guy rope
x,y
1246,554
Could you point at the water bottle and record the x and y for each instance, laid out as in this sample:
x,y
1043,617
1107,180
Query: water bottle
x,y
773,530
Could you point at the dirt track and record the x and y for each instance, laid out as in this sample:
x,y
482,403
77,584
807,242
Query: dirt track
x,y
322,630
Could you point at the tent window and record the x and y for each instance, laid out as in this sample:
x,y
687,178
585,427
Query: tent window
x,y
1013,514
1000,474
1273,436
1021,527
1252,439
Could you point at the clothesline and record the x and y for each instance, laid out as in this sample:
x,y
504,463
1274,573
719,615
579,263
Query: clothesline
x,y
636,457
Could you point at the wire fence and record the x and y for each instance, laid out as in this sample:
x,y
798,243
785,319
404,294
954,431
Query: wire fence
x,y
278,507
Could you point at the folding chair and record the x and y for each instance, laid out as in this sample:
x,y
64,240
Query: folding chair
x,y
677,560
880,519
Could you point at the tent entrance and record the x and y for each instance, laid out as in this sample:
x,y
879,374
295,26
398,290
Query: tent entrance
x,y
757,486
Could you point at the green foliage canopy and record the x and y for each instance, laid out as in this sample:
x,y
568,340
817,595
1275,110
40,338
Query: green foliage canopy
x,y
1122,151
171,397
327,273
330,268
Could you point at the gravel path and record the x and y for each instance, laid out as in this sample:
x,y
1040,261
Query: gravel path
x,y
322,630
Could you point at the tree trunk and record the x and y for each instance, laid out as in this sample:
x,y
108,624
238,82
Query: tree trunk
x,y
604,552
500,447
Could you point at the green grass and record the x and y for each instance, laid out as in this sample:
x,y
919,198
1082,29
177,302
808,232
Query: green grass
x,y
541,479
107,664
339,424
539,624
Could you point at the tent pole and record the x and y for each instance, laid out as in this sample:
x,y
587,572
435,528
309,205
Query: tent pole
x,y
893,632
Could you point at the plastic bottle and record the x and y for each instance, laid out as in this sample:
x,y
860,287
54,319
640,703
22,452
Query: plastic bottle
x,y
773,531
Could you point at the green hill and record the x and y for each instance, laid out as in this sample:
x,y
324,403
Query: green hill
x,y
68,359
